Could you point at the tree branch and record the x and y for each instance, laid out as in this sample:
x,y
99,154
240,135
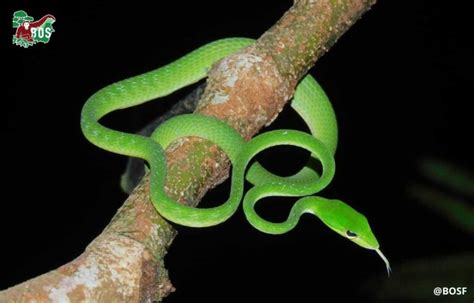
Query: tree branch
x,y
247,90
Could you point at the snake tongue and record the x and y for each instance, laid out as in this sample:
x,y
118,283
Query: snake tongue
x,y
387,264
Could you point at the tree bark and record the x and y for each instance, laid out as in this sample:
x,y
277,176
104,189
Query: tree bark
x,y
247,90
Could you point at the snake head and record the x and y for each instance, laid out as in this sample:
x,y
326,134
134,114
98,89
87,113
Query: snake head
x,y
350,224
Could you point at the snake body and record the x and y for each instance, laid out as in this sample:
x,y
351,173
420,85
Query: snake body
x,y
309,101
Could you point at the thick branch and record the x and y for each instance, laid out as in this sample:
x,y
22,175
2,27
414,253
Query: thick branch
x,y
247,90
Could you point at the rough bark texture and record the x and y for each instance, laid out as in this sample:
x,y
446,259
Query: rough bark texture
x,y
247,90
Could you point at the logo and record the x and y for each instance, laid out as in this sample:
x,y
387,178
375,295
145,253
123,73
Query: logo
x,y
29,32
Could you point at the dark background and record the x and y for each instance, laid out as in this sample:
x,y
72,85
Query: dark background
x,y
400,81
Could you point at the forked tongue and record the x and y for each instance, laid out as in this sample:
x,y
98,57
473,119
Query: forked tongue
x,y
387,264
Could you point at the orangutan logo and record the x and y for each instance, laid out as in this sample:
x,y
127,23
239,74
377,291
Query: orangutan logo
x,y
29,32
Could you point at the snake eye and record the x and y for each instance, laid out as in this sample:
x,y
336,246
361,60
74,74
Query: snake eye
x,y
351,234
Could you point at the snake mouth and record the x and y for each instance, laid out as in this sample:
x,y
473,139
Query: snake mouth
x,y
387,264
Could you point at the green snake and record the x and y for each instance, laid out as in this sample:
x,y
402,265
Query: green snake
x,y
309,101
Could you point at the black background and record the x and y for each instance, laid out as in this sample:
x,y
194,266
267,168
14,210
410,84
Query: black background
x,y
400,81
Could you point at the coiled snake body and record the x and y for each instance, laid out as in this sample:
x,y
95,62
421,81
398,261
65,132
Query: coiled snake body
x,y
309,101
